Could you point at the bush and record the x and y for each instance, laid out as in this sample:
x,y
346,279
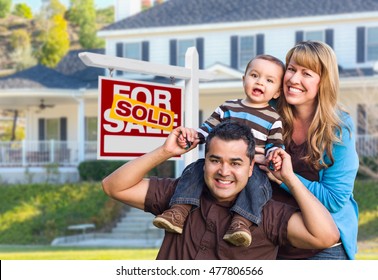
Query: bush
x,y
36,214
96,170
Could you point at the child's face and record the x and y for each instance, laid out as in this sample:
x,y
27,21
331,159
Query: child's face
x,y
262,82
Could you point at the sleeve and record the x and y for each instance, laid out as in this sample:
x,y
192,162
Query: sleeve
x,y
275,138
337,182
215,118
159,193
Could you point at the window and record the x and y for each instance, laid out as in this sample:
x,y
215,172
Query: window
x,y
314,35
372,44
244,48
182,47
133,50
136,50
91,129
247,50
52,129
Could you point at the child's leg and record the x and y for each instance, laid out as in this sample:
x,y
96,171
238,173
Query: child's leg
x,y
248,207
187,194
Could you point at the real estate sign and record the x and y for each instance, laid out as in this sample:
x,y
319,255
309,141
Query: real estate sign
x,y
135,117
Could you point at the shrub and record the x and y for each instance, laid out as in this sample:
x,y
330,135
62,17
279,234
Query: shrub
x,y
96,170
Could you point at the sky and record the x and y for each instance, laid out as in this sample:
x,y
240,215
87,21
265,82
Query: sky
x,y
36,4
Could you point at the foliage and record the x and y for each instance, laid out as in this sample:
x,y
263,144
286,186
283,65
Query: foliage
x,y
19,38
105,16
23,10
54,42
83,14
96,170
366,195
36,214
5,7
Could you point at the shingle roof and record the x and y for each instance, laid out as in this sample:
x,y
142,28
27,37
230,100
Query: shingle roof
x,y
70,73
40,77
192,12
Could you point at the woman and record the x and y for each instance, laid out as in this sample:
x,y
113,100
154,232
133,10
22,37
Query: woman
x,y
319,136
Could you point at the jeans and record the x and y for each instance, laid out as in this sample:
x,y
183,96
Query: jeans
x,y
332,253
248,204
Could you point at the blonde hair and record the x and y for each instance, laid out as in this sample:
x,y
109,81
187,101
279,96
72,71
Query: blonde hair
x,y
320,58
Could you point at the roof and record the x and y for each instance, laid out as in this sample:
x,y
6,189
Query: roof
x,y
39,76
70,73
196,12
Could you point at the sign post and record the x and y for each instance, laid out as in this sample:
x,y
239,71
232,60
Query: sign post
x,y
190,73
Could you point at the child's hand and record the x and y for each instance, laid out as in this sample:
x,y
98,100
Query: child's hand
x,y
181,141
275,163
188,138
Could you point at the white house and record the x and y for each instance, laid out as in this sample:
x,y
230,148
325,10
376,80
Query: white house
x,y
226,34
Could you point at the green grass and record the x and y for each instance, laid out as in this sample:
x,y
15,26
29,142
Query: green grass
x,y
73,253
77,253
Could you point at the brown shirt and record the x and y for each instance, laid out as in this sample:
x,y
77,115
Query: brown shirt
x,y
303,169
202,237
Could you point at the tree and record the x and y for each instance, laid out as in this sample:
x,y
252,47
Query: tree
x,y
21,54
5,7
53,40
23,10
82,13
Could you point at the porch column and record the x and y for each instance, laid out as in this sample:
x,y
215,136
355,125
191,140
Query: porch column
x,y
80,128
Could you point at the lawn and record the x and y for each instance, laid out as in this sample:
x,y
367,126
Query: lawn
x,y
367,252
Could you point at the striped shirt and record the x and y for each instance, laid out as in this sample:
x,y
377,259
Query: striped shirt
x,y
265,123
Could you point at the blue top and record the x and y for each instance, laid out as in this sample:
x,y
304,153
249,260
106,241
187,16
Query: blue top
x,y
335,187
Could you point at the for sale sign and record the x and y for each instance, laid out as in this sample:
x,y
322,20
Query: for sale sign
x,y
135,117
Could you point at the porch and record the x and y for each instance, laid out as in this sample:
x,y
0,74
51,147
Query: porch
x,y
25,162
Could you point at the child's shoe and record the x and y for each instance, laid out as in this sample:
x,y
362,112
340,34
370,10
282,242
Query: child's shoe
x,y
173,219
238,233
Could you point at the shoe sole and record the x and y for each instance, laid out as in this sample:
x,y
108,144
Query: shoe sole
x,y
238,239
164,224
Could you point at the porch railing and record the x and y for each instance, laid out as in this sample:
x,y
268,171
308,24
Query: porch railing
x,y
66,153
42,153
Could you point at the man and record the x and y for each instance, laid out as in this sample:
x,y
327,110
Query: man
x,y
229,162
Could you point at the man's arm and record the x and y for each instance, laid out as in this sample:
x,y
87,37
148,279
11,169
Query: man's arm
x,y
128,185
313,227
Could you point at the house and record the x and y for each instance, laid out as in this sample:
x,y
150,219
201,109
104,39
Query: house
x,y
226,35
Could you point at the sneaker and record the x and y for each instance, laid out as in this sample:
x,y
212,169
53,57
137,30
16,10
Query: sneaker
x,y
173,219
238,233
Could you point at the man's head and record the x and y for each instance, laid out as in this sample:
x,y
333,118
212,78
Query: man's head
x,y
229,153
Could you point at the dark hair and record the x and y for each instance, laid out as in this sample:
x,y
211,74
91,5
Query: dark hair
x,y
267,57
231,130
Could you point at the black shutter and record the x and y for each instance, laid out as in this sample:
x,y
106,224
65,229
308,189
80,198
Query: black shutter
x,y
145,51
119,53
360,44
299,36
63,129
41,129
201,52
173,52
259,44
329,37
234,52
